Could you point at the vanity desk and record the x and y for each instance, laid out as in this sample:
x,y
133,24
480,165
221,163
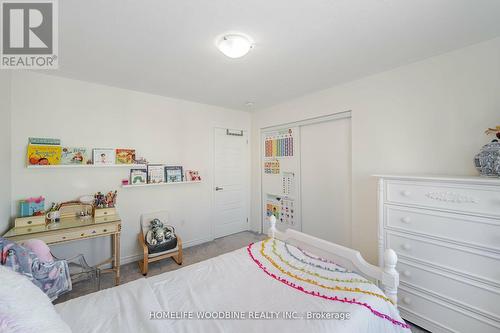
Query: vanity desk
x,y
76,228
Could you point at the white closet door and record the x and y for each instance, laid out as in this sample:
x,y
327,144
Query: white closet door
x,y
326,180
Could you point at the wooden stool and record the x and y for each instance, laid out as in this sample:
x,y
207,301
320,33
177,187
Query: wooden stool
x,y
175,254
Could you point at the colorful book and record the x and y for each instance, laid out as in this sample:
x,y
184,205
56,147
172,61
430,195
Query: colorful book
x,y
44,155
173,174
75,155
156,173
44,141
138,176
125,156
103,156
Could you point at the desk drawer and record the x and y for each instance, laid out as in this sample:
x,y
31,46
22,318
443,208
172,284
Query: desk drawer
x,y
480,231
448,317
467,293
106,218
80,234
482,200
99,212
467,261
29,221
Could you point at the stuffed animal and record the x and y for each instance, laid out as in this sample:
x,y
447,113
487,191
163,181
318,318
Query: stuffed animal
x,y
160,237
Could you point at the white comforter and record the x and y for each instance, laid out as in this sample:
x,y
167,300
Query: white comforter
x,y
235,283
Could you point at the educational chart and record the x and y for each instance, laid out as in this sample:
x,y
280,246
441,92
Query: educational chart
x,y
272,167
280,168
279,144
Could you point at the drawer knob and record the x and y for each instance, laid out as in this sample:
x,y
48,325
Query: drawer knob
x,y
406,246
406,273
406,193
105,213
406,219
105,230
29,222
406,300
82,235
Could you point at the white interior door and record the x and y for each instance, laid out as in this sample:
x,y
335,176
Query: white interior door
x,y
231,178
325,164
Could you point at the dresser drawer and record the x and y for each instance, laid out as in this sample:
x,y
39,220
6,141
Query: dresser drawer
x,y
77,234
444,315
467,261
483,232
483,200
458,289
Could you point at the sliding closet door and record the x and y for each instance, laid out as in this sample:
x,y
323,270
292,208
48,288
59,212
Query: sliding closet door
x,y
326,180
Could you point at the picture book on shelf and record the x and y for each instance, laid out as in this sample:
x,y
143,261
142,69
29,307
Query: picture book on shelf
x,y
125,156
173,174
44,141
138,176
103,156
192,176
156,173
44,155
75,155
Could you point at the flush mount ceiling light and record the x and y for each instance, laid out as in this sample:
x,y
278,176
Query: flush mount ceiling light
x,y
234,45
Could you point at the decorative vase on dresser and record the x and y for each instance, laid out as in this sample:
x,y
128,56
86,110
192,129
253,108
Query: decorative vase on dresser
x,y
446,232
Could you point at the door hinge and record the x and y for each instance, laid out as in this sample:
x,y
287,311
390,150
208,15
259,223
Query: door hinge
x,y
247,219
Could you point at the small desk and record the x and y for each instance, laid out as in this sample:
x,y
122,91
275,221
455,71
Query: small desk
x,y
75,228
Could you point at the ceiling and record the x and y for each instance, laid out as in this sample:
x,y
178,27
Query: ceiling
x,y
166,47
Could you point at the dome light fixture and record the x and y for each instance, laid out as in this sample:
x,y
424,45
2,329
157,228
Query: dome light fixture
x,y
234,45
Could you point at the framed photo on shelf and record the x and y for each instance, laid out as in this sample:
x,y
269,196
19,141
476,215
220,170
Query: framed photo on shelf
x,y
125,156
138,176
103,156
156,173
173,174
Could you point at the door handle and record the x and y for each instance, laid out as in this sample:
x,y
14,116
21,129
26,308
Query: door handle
x,y
217,188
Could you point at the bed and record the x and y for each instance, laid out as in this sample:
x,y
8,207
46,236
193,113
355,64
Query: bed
x,y
289,282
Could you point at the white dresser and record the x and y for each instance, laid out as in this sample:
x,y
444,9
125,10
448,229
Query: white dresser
x,y
446,232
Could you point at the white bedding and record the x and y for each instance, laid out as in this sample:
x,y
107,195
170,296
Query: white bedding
x,y
235,282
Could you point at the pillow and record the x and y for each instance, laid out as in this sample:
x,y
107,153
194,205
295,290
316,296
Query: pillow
x,y
39,248
25,308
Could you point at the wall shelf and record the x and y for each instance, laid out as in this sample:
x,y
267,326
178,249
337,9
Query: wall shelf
x,y
162,184
64,166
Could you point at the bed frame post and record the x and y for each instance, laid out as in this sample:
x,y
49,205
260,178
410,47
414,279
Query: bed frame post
x,y
272,230
390,276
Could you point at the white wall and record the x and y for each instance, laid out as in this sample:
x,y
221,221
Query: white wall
x,y
161,129
426,117
5,81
